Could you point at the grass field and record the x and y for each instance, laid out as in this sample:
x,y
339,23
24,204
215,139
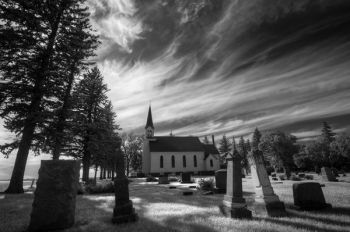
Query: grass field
x,y
162,209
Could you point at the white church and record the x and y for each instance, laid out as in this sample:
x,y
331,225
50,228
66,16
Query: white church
x,y
174,154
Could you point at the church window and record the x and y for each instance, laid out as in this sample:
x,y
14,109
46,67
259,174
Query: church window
x,y
211,163
184,161
195,161
161,161
173,161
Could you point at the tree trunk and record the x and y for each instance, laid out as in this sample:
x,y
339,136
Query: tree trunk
x,y
104,173
95,173
86,166
16,182
63,115
101,172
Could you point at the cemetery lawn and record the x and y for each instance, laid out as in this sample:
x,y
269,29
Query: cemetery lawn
x,y
162,209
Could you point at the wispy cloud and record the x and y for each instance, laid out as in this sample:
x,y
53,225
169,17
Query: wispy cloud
x,y
220,66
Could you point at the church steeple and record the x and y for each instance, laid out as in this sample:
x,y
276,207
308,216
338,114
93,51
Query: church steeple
x,y
149,124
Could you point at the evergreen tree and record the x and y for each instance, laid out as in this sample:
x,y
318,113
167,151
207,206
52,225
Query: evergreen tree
x,y
90,100
327,134
256,140
224,147
75,45
247,145
242,149
278,149
30,73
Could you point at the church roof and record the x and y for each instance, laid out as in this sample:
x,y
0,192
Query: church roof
x,y
175,144
210,149
149,122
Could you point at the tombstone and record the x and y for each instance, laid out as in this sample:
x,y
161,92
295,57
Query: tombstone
x,y
309,196
234,204
163,179
327,174
220,181
267,203
55,195
123,211
186,177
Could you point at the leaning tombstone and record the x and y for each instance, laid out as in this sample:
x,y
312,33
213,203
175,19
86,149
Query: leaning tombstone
x,y
186,177
55,195
220,181
267,203
234,205
327,174
309,196
123,211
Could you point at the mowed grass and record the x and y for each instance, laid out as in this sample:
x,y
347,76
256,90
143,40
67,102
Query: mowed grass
x,y
162,209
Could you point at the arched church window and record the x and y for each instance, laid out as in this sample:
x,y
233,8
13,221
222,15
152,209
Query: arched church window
x,y
211,163
161,161
184,161
195,161
173,161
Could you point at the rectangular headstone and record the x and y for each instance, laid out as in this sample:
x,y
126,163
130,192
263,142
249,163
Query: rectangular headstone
x,y
186,177
327,174
220,180
309,196
55,195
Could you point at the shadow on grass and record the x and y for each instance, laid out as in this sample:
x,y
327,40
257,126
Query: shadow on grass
x,y
300,225
96,215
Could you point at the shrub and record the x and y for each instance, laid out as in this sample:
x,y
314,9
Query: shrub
x,y
295,178
309,177
282,177
206,184
105,186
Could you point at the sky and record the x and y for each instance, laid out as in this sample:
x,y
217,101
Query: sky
x,y
224,66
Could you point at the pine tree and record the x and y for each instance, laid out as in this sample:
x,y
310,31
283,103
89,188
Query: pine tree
x,y
242,149
30,74
224,148
327,134
90,100
256,139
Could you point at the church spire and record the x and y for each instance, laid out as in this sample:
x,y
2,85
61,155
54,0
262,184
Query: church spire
x,y
149,119
149,124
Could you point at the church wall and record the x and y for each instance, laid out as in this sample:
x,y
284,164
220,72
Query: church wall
x,y
145,157
155,162
216,163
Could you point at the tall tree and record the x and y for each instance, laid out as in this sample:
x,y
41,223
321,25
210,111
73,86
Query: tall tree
x,y
90,100
279,149
131,146
75,45
224,148
29,32
327,134
256,139
242,149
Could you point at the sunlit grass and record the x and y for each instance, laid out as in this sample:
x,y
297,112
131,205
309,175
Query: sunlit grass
x,y
162,209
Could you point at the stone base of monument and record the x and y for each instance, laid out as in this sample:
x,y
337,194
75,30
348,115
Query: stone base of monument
x,y
55,195
235,210
219,190
269,206
124,213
